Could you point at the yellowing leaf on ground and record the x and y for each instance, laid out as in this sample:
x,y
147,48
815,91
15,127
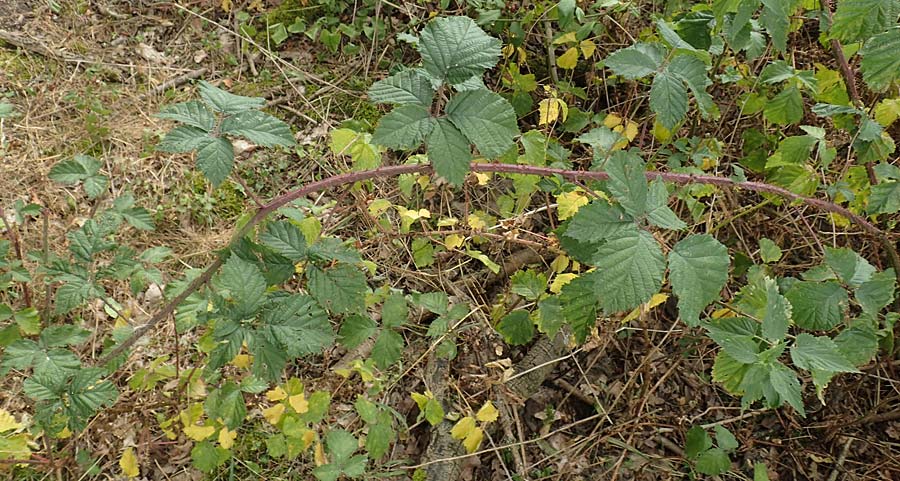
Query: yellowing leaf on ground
x,y
477,222
421,399
198,433
298,403
129,463
839,220
242,361
887,111
473,440
7,421
227,437
508,50
483,178
551,110
568,203
568,37
654,301
568,60
226,5
560,280
273,414
488,413
64,434
723,313
447,222
276,394
453,241
319,455
308,438
588,47
378,207
462,428
661,133
611,121
560,263
631,130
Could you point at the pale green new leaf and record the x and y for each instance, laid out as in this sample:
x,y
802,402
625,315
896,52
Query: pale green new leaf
x,y
639,60
859,20
486,119
407,87
819,353
880,63
698,270
817,306
215,158
668,99
259,128
786,108
658,211
598,221
885,198
777,314
228,103
455,49
405,127
340,289
183,138
449,152
193,113
627,182
631,267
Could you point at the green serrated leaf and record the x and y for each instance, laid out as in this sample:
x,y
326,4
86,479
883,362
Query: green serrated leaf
x,y
668,99
193,113
817,306
730,372
405,127
598,221
627,182
228,103
692,71
388,348
75,169
698,270
454,49
395,311
639,60
338,289
298,324
769,250
775,17
713,462
786,108
355,329
876,293
245,284
859,20
858,344
486,119
379,439
696,441
880,63
64,335
777,317
259,128
851,268
286,239
819,353
725,439
449,152
631,267
215,158
736,336
516,328
529,284
184,138
658,211
407,87
579,302
885,198
784,381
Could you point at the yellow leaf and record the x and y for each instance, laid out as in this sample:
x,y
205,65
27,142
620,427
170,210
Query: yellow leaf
x,y
256,4
631,130
378,206
462,428
319,455
560,263
887,111
7,421
508,50
569,203
482,178
120,322
488,413
722,313
227,437
568,60
561,280
129,463
274,413
64,434
588,47
276,394
566,38
308,438
473,440
611,121
447,222
476,222
226,5
839,220
298,403
198,433
453,241
549,111
661,133
654,301
523,55
242,361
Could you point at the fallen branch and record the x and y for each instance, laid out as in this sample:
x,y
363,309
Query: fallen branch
x,y
395,170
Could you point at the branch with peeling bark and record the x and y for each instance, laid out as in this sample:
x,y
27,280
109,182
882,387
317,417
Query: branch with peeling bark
x,y
393,171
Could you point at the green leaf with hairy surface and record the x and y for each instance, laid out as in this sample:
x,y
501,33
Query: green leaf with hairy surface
x,y
259,128
729,372
387,349
851,268
786,108
529,284
330,249
63,335
395,311
859,20
696,441
769,250
407,87
516,328
692,71
639,60
775,17
579,302
355,329
725,439
698,270
818,306
627,182
339,289
736,336
713,462
784,381
193,113
183,138
449,152
631,267
658,211
405,127
880,63
286,239
777,316
858,343
819,353
885,198
81,168
668,99
486,119
226,403
206,457
550,316
215,158
379,437
298,324
245,284
454,49
598,221
876,293
228,103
